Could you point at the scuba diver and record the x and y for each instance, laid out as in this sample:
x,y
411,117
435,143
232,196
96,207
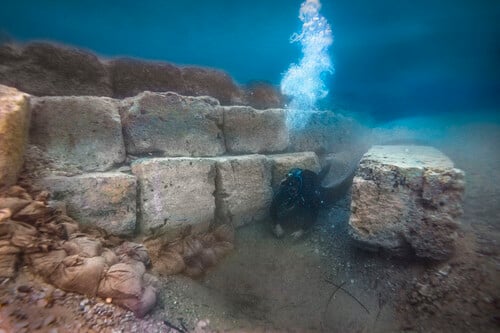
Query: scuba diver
x,y
301,195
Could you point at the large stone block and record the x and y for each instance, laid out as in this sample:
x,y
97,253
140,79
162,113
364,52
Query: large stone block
x,y
44,69
84,131
326,132
172,125
407,199
104,200
249,131
175,193
14,126
244,191
282,163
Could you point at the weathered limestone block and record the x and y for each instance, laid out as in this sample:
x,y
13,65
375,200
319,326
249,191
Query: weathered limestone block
x,y
326,132
84,131
172,125
249,131
104,200
282,163
407,199
175,193
243,189
14,127
45,69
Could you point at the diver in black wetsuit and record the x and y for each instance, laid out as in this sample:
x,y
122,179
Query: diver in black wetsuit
x,y
300,196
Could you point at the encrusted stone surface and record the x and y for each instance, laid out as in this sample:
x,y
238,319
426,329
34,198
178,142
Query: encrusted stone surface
x,y
249,131
175,193
243,189
261,95
46,69
14,126
172,125
407,199
84,131
130,77
282,163
326,132
105,200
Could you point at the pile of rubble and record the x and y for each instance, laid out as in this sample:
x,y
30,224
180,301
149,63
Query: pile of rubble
x,y
34,233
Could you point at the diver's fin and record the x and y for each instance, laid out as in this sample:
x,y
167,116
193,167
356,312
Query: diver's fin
x,y
332,193
324,171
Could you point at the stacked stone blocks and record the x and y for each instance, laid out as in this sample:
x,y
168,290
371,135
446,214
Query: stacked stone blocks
x,y
192,161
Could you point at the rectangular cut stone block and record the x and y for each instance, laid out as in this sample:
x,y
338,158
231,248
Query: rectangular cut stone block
x,y
83,131
326,132
407,199
14,126
244,191
282,163
104,200
175,193
172,125
249,131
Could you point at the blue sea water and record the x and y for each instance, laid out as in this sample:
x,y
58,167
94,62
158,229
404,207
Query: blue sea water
x,y
392,58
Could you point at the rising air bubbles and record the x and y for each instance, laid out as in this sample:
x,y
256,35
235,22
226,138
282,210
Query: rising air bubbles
x,y
303,82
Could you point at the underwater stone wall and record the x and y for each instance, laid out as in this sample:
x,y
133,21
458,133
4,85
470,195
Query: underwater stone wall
x,y
103,199
84,131
14,125
195,162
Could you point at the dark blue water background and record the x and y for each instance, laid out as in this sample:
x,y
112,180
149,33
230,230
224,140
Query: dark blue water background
x,y
393,58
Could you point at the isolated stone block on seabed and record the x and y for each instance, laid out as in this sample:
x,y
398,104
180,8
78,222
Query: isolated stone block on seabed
x,y
407,199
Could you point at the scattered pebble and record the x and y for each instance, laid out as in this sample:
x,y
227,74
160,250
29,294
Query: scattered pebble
x,y
21,324
58,293
43,303
24,289
445,270
37,323
49,320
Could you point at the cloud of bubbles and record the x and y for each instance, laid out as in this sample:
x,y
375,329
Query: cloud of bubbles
x,y
302,82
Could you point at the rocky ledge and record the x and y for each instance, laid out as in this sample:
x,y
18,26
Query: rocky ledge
x,y
48,69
